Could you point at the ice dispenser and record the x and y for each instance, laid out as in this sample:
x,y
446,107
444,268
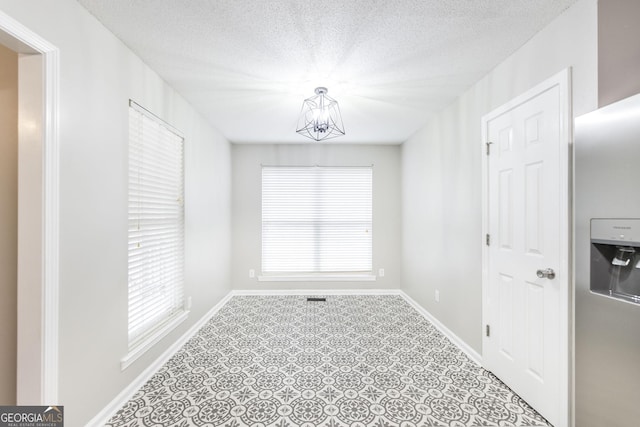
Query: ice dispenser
x,y
615,258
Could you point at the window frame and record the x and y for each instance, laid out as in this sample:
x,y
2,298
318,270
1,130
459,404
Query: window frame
x,y
311,275
167,216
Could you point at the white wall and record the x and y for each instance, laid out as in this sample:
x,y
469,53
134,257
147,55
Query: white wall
x,y
8,222
247,203
618,50
441,170
98,75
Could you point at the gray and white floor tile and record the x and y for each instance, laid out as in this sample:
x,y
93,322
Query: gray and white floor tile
x,y
280,361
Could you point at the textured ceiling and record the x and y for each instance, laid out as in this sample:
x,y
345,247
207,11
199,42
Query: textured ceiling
x,y
247,65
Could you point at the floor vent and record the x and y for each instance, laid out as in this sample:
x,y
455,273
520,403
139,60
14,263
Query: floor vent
x,y
317,299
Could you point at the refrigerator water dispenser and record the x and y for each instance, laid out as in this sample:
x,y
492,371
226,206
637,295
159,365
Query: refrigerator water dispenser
x,y
615,258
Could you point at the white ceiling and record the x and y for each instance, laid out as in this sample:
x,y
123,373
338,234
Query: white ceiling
x,y
247,65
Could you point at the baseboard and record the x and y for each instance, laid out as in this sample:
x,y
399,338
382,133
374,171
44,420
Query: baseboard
x,y
247,292
125,395
470,352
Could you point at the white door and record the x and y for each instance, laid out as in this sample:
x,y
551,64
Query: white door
x,y
525,304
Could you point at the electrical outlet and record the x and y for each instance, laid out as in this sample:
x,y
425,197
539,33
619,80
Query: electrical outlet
x,y
252,273
381,272
189,303
437,296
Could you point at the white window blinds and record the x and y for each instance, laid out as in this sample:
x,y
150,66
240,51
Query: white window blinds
x,y
316,219
156,224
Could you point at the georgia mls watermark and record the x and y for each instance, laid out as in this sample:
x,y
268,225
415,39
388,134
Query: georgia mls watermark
x,y
31,416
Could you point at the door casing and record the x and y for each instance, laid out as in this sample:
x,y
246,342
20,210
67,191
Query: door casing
x,y
38,185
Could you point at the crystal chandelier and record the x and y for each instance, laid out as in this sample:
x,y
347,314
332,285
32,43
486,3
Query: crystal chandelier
x,y
320,117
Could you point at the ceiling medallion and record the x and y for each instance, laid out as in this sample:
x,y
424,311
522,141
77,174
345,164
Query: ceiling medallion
x,y
320,117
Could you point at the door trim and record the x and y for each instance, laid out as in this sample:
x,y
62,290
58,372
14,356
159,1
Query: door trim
x,y
562,80
20,36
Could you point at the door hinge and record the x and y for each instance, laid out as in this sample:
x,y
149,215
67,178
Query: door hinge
x,y
488,144
488,239
488,330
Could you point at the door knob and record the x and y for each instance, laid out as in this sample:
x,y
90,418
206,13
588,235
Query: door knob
x,y
547,272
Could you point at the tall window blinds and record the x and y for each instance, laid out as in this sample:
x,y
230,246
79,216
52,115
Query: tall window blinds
x,y
156,224
316,219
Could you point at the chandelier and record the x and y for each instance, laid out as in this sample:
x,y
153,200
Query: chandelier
x,y
320,117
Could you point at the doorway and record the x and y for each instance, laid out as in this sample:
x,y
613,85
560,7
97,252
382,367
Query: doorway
x,y
526,269
37,214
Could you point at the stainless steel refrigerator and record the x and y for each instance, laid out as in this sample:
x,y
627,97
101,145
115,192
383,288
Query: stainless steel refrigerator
x,y
607,266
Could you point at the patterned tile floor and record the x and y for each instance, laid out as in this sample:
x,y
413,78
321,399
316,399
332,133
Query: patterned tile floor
x,y
356,361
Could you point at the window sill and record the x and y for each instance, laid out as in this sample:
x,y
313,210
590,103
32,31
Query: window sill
x,y
160,332
318,278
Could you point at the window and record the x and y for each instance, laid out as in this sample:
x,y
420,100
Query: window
x,y
316,220
156,228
